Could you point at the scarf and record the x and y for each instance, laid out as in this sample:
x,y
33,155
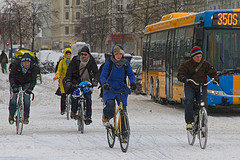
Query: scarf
x,y
120,63
85,75
68,61
24,70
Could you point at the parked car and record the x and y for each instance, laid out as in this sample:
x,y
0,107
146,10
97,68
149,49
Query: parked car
x,y
138,79
135,59
135,65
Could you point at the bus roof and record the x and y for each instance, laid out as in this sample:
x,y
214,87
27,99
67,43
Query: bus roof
x,y
175,20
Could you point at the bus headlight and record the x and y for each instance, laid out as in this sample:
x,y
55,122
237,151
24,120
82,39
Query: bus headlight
x,y
202,104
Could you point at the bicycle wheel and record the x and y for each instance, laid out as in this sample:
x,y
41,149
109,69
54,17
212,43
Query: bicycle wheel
x,y
111,136
124,131
203,128
80,118
68,104
19,119
191,136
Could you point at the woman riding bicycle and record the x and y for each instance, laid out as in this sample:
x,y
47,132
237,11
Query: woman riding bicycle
x,y
114,75
61,73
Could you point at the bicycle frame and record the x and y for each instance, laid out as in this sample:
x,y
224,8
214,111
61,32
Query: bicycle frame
x,y
117,120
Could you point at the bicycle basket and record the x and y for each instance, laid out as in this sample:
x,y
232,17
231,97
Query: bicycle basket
x,y
86,89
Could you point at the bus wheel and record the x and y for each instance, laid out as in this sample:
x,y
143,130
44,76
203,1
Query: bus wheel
x,y
163,101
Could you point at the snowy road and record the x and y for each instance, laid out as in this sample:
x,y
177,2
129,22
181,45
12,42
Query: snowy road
x,y
157,131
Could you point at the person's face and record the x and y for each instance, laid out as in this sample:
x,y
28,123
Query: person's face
x,y
197,58
118,56
26,64
84,55
68,55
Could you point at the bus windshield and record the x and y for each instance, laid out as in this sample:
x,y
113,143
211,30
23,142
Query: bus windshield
x,y
223,49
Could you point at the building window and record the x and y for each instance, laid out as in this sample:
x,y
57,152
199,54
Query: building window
x,y
77,2
119,25
78,15
233,5
120,5
67,15
66,30
155,2
77,30
67,2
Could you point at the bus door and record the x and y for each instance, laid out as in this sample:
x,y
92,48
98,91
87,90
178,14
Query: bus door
x,y
146,53
169,65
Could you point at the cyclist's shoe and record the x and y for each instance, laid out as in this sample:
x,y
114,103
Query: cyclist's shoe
x,y
88,121
25,121
11,119
189,126
62,112
105,121
73,115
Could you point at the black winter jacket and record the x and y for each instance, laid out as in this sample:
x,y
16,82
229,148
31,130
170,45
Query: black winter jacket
x,y
73,70
16,76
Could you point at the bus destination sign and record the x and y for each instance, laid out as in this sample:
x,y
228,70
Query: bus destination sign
x,y
226,19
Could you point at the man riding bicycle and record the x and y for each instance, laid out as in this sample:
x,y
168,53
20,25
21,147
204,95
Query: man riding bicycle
x,y
119,67
82,68
196,68
23,74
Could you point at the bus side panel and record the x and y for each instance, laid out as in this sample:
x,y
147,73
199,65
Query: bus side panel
x,y
178,93
162,84
152,76
236,89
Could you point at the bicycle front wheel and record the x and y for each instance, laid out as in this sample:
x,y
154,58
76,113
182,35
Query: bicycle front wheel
x,y
124,131
111,136
19,119
191,134
203,128
68,103
80,118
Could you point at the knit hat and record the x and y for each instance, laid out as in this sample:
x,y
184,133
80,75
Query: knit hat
x,y
85,49
195,51
117,49
26,57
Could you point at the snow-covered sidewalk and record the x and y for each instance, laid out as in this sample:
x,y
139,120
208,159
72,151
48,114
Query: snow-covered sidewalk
x,y
157,131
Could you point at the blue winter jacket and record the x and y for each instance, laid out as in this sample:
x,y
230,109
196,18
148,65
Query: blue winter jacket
x,y
116,81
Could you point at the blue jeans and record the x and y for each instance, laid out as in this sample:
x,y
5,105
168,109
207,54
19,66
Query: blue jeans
x,y
13,102
88,97
190,93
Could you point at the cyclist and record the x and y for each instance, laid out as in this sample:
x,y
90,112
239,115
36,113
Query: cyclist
x,y
196,68
82,68
23,74
61,73
116,80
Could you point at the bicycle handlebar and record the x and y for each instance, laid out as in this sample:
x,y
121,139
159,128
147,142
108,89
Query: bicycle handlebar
x,y
83,86
197,84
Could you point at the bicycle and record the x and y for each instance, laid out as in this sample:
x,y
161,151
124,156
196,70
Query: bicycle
x,y
68,105
120,121
81,111
19,115
200,124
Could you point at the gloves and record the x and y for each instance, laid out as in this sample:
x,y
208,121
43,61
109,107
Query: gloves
x,y
28,91
184,79
216,81
106,87
56,77
133,86
15,89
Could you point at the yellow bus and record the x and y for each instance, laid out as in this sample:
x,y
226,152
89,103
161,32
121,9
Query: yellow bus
x,y
169,42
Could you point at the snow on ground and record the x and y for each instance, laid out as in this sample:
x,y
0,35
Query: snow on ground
x,y
157,131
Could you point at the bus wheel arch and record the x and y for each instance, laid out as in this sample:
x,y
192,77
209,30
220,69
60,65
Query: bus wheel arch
x,y
157,97
151,88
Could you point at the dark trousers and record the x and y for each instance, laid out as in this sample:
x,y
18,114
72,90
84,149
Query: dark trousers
x,y
63,102
109,111
190,93
88,97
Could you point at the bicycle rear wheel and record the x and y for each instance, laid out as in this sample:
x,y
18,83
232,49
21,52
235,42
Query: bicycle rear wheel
x,y
111,136
80,118
19,119
68,104
124,131
203,128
